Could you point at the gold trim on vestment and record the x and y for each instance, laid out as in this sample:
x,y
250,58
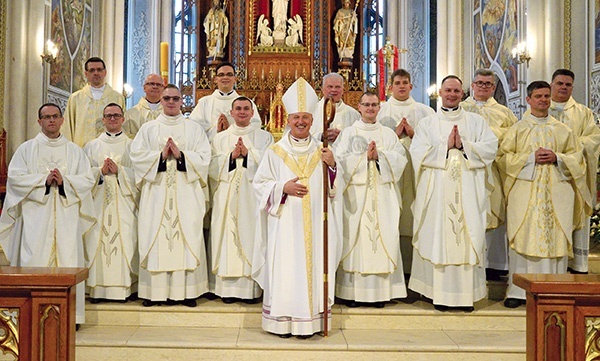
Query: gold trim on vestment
x,y
303,168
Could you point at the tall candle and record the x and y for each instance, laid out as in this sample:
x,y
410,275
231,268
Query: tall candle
x,y
164,61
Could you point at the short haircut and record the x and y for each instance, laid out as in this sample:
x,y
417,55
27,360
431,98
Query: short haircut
x,y
94,59
333,76
240,99
451,77
225,63
401,73
368,93
48,105
171,86
112,105
566,72
538,84
484,72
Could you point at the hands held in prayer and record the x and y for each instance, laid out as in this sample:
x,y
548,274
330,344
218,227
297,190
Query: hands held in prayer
x,y
54,178
327,157
331,134
454,140
222,123
294,189
372,151
171,148
545,156
240,149
404,127
109,167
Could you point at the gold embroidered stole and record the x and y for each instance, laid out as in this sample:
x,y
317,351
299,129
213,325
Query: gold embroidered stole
x,y
303,167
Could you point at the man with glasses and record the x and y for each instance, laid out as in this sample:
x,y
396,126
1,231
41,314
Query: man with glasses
x,y
581,120
345,115
401,113
148,108
371,268
499,118
170,157
451,153
212,111
83,116
111,245
48,205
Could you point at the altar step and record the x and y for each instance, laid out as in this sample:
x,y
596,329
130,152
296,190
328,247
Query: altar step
x,y
406,330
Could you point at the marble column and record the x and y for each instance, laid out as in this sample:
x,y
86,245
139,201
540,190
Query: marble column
x,y
113,29
449,45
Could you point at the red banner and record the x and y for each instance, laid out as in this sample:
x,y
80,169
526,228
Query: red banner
x,y
382,69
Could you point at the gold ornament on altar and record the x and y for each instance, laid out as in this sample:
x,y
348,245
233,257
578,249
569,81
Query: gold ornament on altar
x,y
277,113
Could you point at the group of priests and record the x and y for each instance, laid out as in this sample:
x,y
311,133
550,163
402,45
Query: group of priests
x,y
170,208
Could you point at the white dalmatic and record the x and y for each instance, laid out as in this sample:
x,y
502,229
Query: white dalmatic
x,y
371,267
111,245
235,209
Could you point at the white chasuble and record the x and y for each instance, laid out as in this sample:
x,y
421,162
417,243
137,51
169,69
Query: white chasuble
x,y
46,230
111,245
173,202
371,203
288,256
235,207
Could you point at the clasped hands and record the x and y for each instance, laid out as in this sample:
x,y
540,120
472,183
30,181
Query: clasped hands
x,y
545,156
171,149
109,167
222,123
454,140
240,149
54,177
295,189
404,128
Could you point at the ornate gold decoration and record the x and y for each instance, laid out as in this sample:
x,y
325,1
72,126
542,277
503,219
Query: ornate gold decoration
x,y
592,338
9,331
49,313
568,34
555,320
277,114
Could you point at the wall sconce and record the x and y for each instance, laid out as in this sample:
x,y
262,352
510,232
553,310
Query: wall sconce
x,y
127,91
520,53
50,53
432,92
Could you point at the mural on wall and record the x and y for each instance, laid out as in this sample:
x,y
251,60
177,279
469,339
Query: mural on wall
x,y
70,30
495,34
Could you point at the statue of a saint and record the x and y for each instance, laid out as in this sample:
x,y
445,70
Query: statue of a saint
x,y
294,37
279,13
216,28
345,27
263,34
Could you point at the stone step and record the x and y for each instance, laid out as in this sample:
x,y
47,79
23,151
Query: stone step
x,y
104,343
409,329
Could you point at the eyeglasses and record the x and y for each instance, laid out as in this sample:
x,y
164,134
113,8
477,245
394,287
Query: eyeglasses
x,y
51,116
222,75
155,84
168,98
486,84
110,116
370,105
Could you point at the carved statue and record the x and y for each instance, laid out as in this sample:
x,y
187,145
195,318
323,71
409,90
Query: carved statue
x,y
345,27
294,37
277,114
263,34
279,13
216,28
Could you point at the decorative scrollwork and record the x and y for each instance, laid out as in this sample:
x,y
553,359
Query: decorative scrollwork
x,y
9,331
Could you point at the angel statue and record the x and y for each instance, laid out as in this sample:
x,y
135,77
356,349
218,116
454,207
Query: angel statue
x,y
294,32
263,35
